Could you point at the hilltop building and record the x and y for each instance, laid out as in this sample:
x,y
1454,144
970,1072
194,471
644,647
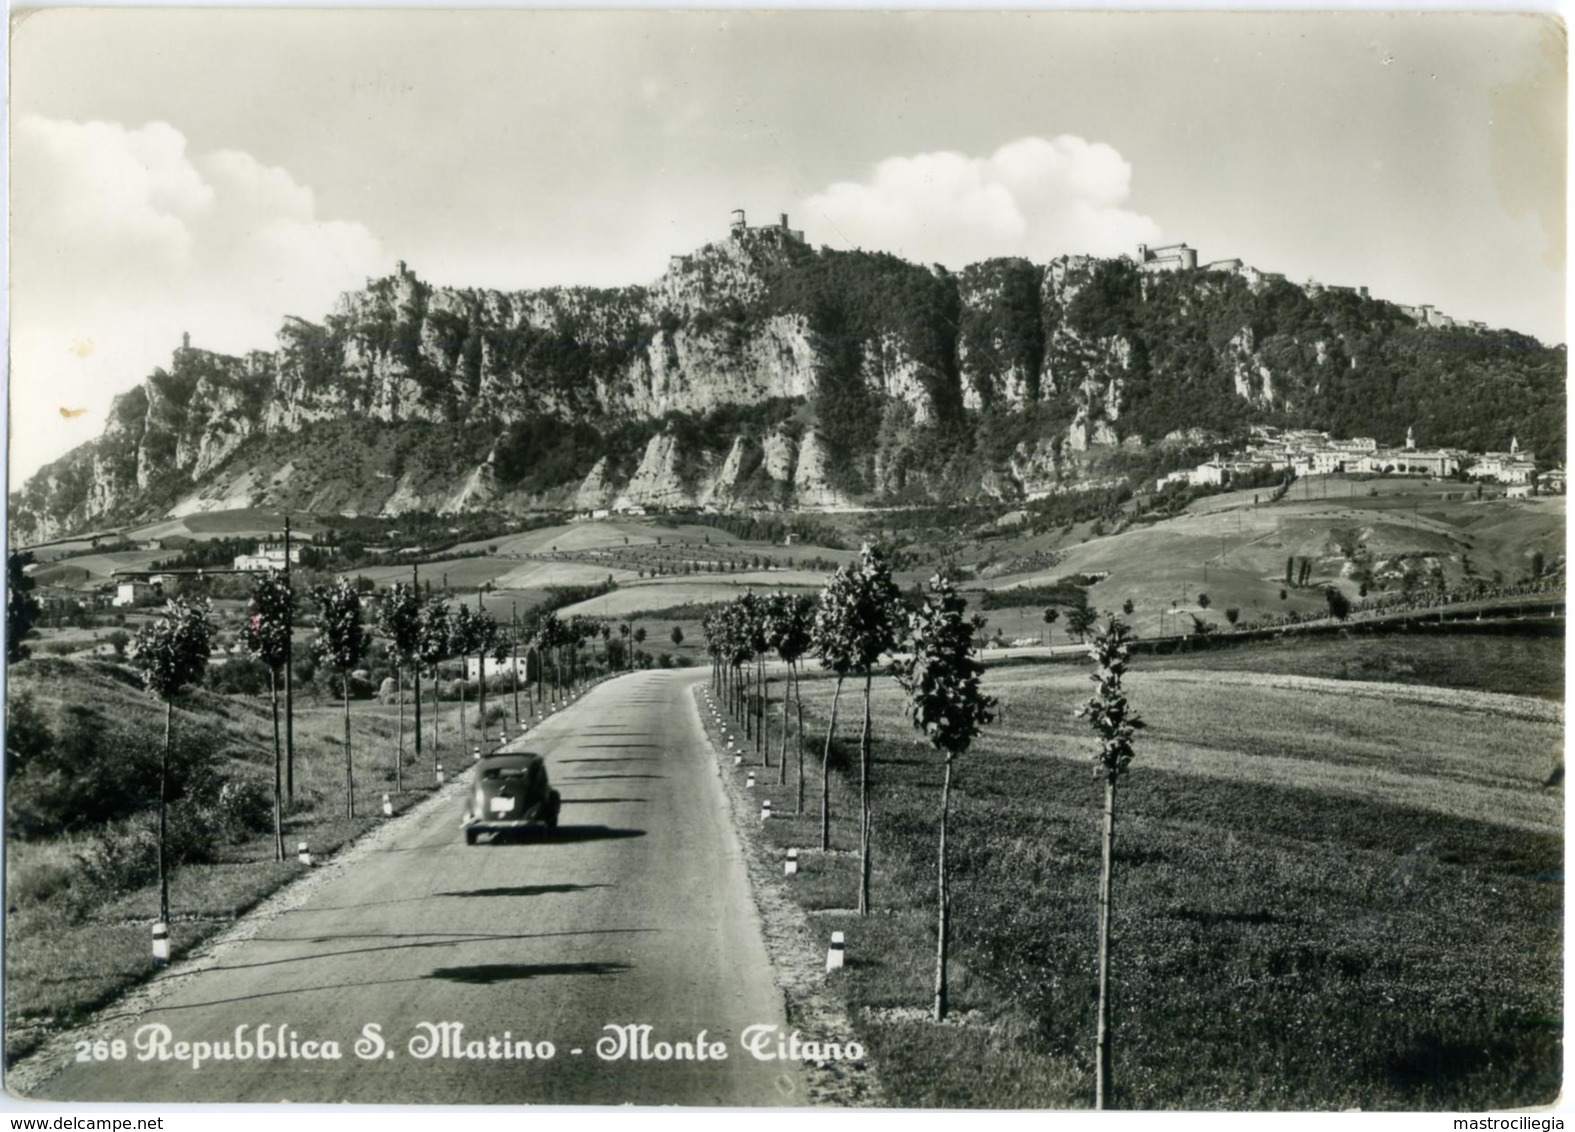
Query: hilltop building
x,y
1169,257
739,230
1504,467
269,556
135,593
1180,257
496,667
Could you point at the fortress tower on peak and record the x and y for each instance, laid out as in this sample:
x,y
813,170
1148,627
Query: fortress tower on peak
x,y
1170,257
738,229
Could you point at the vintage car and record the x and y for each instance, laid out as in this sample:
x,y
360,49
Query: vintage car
x,y
510,793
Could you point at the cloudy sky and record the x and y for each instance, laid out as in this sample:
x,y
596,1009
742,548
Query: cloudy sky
x,y
212,171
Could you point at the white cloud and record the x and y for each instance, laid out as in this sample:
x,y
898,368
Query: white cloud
x,y
121,240
1032,197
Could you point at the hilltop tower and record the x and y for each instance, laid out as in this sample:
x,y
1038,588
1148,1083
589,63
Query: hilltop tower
x,y
739,229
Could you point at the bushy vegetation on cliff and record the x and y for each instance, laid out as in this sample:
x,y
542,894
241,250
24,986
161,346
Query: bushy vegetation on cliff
x,y
926,384
1336,361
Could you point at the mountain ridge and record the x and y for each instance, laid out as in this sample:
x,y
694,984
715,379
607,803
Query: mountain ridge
x,y
760,372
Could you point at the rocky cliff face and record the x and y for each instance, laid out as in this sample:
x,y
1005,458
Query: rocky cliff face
x,y
756,372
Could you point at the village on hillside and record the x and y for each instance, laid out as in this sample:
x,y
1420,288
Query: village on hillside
x,y
1305,452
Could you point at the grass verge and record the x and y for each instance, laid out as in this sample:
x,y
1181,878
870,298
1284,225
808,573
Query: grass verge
x,y
1321,902
72,947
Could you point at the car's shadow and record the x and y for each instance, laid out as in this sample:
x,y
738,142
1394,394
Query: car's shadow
x,y
525,890
563,834
485,974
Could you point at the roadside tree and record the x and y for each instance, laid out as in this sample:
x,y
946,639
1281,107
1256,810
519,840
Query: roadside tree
x,y
171,653
432,635
267,639
941,676
341,643
856,624
21,607
399,624
1115,724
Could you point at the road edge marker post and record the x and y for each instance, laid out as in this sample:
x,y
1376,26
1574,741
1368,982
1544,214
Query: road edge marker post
x,y
388,807
835,954
765,810
790,866
161,944
303,854
440,774
749,783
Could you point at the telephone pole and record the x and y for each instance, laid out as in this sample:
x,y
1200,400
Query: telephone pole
x,y
289,674
415,585
481,677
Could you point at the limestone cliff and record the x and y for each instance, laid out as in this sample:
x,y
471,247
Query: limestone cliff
x,y
759,372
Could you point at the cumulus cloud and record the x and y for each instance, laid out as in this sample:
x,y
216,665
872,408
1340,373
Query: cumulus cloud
x,y
122,240
1032,197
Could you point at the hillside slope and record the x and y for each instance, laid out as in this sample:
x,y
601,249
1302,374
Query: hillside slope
x,y
760,372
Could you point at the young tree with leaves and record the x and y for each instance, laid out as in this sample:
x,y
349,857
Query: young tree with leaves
x,y
1114,722
792,619
399,624
1052,615
340,643
171,653
941,676
21,607
433,637
487,642
1082,621
267,638
677,635
856,624
753,622
464,638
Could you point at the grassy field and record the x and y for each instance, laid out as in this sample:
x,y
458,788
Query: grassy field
x,y
71,947
92,569
1324,899
1532,666
636,599
1235,552
258,521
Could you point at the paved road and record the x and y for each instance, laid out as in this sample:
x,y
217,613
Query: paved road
x,y
637,912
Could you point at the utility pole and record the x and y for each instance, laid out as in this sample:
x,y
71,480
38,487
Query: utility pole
x,y
289,675
481,678
415,584
514,646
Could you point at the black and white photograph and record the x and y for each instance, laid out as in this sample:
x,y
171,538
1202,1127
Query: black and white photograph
x,y
800,559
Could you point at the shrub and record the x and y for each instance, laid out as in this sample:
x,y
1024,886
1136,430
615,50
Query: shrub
x,y
93,773
238,676
244,805
27,734
37,882
125,856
